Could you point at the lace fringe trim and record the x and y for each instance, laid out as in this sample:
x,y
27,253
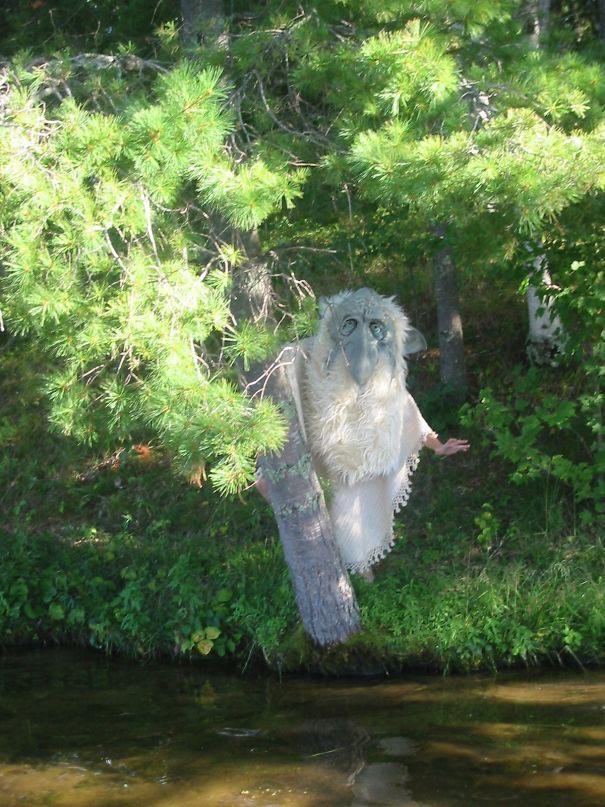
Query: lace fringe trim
x,y
376,555
399,500
403,494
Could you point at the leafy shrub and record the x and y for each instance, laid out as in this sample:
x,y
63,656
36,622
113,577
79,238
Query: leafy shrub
x,y
544,435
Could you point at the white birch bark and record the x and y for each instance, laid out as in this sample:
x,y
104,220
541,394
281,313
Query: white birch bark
x,y
546,335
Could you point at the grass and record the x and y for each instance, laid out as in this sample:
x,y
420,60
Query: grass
x,y
124,557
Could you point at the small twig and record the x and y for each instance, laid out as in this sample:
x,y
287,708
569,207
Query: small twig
x,y
147,208
197,358
125,353
96,370
324,753
266,375
117,257
309,134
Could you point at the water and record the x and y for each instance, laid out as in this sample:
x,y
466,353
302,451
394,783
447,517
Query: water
x,y
79,729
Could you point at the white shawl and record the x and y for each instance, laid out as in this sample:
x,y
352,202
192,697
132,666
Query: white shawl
x,y
366,445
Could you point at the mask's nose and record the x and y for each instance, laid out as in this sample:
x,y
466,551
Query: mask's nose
x,y
362,355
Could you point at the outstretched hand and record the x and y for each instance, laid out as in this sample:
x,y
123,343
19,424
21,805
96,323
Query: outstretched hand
x,y
451,447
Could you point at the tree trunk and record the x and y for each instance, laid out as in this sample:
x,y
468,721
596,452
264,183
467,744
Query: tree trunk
x,y
449,321
546,337
539,16
251,293
203,22
324,595
452,363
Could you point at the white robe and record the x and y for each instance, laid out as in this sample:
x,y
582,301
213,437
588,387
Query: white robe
x,y
361,509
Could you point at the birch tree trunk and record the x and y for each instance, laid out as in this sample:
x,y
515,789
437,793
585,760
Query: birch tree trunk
x,y
539,16
325,597
546,337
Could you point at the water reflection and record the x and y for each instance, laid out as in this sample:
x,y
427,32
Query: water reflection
x,y
345,747
77,729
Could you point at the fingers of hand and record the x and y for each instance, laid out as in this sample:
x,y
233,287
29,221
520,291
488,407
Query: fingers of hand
x,y
454,445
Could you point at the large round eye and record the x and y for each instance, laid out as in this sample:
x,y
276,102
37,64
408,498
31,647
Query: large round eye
x,y
348,326
378,329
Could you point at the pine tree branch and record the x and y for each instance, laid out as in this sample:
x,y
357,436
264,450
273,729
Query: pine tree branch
x,y
60,82
93,61
308,134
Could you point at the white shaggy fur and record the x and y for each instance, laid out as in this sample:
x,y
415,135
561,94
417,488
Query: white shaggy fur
x,y
356,434
366,441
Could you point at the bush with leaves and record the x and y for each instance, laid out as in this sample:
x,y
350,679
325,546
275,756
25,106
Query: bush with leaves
x,y
549,423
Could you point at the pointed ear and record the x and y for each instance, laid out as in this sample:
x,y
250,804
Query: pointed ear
x,y
414,342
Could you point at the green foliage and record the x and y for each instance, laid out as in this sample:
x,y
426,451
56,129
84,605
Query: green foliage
x,y
248,196
94,25
120,556
548,423
488,525
516,167
112,594
112,284
542,434
342,134
504,616
349,135
160,594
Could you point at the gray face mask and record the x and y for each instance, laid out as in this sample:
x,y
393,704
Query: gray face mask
x,y
363,329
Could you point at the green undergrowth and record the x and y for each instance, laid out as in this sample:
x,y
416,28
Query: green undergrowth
x,y
184,596
122,556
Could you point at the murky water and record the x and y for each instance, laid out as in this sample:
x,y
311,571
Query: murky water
x,y
77,729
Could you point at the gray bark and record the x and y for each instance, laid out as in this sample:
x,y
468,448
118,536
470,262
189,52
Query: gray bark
x,y
449,322
251,294
203,23
452,363
324,595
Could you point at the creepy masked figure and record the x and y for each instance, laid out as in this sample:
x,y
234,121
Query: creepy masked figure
x,y
363,427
